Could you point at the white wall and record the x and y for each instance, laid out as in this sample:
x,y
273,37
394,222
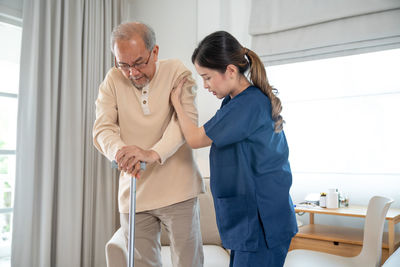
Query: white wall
x,y
180,25
174,22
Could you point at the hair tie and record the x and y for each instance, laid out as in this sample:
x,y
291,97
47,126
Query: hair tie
x,y
246,51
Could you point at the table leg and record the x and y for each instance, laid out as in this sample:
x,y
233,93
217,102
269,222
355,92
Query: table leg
x,y
391,236
311,218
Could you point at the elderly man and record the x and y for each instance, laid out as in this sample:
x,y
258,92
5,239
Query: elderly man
x,y
136,122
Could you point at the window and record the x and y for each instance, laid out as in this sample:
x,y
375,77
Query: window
x,y
9,69
342,113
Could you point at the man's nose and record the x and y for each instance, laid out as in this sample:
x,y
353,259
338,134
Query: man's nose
x,y
133,71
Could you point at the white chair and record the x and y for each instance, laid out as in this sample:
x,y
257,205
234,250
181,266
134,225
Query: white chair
x,y
116,251
393,260
371,253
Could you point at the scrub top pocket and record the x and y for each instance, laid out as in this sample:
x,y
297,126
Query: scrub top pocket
x,y
233,224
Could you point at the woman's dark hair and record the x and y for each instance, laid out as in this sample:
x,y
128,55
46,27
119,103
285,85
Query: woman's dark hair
x,y
220,49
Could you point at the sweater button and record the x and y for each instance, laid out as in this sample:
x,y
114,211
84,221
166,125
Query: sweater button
x,y
144,101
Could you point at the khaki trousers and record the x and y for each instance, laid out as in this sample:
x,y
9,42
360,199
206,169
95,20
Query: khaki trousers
x,y
182,223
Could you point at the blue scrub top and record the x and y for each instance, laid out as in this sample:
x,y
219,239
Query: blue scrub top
x,y
250,174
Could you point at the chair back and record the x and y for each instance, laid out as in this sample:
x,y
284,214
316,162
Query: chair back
x,y
371,252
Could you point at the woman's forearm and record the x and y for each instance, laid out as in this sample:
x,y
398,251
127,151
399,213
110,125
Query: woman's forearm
x,y
195,136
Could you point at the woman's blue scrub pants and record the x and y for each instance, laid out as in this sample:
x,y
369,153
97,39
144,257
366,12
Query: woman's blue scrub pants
x,y
264,257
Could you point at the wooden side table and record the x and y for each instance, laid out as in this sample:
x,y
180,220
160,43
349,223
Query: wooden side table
x,y
343,241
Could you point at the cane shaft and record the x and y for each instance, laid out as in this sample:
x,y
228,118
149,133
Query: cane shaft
x,y
132,212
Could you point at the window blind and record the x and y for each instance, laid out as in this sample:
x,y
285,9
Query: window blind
x,y
286,31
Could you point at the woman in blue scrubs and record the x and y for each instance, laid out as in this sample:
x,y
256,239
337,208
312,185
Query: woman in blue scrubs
x,y
250,172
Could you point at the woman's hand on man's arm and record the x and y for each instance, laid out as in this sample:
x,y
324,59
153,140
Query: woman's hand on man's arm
x,y
195,136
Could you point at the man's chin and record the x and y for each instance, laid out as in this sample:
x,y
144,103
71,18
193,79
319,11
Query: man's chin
x,y
140,85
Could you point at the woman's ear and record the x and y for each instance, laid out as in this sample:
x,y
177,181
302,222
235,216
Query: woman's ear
x,y
231,70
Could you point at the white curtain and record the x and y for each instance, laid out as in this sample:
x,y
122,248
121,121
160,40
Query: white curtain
x,y
286,31
65,206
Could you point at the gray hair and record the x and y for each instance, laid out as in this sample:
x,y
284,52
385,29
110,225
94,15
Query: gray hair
x,y
126,31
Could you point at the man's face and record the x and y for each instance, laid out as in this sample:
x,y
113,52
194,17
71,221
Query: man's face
x,y
135,62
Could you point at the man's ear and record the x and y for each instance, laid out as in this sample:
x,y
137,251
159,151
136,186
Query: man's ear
x,y
155,51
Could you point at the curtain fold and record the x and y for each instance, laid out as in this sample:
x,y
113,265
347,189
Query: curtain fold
x,y
286,31
65,206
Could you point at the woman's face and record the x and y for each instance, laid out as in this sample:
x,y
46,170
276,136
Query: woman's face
x,y
214,81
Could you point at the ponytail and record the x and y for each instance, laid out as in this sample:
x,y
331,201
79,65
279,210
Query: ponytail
x,y
259,79
219,49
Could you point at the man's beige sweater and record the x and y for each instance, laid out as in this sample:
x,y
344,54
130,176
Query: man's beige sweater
x,y
145,118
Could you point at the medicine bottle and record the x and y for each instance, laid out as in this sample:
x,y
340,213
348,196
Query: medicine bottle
x,y
322,200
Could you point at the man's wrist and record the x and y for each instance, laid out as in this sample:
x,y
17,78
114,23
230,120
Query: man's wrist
x,y
154,155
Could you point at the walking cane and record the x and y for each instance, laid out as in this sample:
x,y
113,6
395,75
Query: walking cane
x,y
132,211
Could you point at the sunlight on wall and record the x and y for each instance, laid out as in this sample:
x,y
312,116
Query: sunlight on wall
x,y
342,113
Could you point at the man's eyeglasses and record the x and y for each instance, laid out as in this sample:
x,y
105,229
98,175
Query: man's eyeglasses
x,y
137,66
